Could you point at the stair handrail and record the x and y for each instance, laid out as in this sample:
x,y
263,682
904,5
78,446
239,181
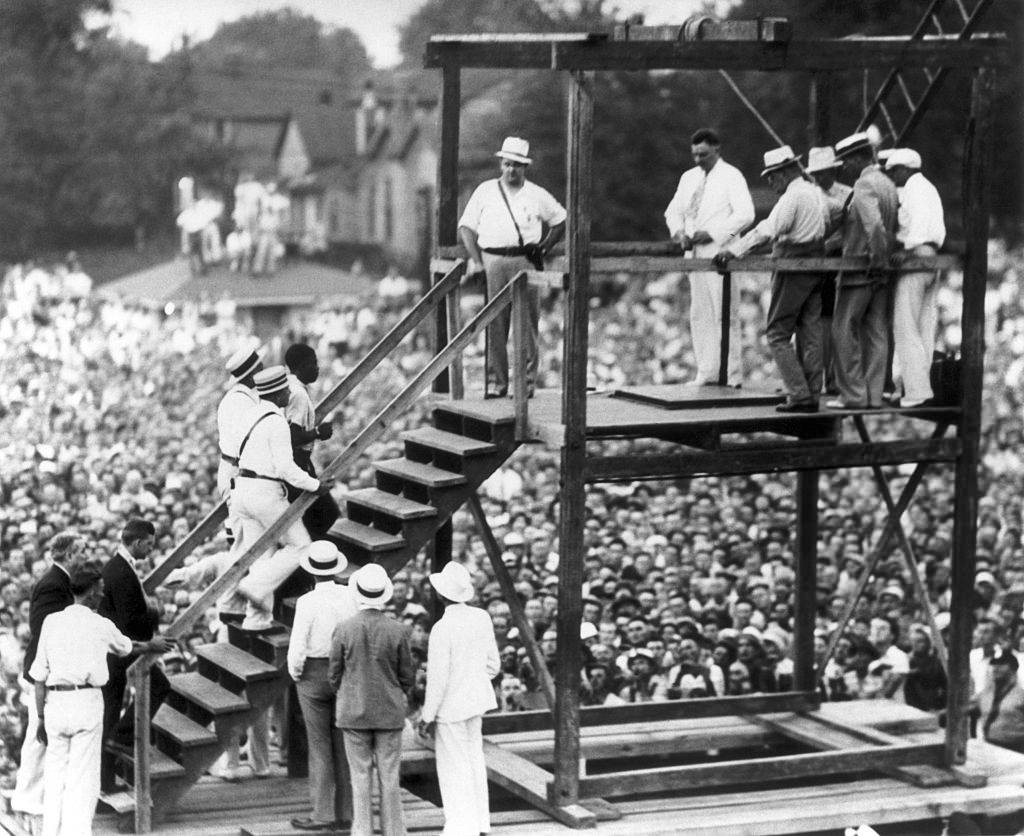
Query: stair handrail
x,y
423,308
139,671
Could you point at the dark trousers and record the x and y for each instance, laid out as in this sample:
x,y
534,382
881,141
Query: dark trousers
x,y
123,730
795,308
324,512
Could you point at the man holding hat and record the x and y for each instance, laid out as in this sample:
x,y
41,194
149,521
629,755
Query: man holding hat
x,y
860,326
235,414
796,227
317,614
462,659
710,207
508,226
260,496
372,671
920,231
823,167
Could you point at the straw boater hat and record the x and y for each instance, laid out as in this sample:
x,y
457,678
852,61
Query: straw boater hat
x,y
453,582
269,381
516,149
906,157
822,159
860,141
371,587
323,559
778,158
242,363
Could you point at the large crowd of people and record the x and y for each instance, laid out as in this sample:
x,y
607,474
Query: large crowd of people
x,y
107,412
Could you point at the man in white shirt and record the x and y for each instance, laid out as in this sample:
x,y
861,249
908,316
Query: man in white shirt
x,y
796,227
462,659
317,614
892,664
265,468
508,226
920,231
710,207
69,670
235,414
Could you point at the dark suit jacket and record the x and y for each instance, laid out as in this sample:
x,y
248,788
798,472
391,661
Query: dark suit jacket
x,y
124,602
52,593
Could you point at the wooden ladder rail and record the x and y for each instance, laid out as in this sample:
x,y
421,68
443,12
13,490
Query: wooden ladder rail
x,y
935,80
139,672
208,526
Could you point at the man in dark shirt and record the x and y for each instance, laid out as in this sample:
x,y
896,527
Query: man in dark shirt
x,y
371,667
52,593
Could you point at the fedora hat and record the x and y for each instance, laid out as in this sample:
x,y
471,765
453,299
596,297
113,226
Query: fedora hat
x,y
371,587
906,157
453,582
778,158
822,158
323,559
516,149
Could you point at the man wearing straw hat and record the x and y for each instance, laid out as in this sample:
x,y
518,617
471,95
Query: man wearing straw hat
x,y
462,659
823,168
235,414
508,226
372,671
796,227
317,615
260,496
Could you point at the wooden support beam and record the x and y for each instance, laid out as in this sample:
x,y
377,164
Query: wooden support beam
x,y
977,162
142,743
500,52
525,721
508,590
529,782
574,450
520,330
734,462
758,770
448,158
907,550
806,580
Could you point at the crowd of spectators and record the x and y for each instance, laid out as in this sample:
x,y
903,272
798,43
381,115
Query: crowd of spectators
x,y
107,409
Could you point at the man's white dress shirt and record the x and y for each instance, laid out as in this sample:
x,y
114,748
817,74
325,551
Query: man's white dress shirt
x,y
317,614
487,215
920,219
73,648
718,203
798,217
462,658
268,452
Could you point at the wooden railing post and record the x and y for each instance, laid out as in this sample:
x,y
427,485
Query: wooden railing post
x,y
455,373
520,326
139,681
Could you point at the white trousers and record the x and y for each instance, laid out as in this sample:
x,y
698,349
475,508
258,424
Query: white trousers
x,y
28,788
914,321
225,473
258,503
462,776
71,772
706,322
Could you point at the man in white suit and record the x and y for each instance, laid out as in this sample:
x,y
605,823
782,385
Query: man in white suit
x,y
462,658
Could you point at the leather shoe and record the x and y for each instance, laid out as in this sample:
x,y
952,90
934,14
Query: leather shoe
x,y
310,824
797,406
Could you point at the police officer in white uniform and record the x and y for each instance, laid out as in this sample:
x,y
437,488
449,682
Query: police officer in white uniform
x,y
235,414
265,467
69,671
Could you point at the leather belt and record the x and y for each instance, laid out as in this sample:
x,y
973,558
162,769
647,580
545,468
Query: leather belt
x,y
252,474
70,687
505,250
229,459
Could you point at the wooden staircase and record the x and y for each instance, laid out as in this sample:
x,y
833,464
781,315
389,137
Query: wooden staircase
x,y
207,708
416,494
387,524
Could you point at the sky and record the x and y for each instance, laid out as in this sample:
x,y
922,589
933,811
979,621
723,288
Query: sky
x,y
160,24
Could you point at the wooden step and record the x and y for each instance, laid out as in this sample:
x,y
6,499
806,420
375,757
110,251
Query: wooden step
x,y
207,695
391,504
187,733
161,766
456,445
497,412
235,661
366,538
420,474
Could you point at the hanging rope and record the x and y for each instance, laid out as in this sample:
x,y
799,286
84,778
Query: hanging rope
x,y
756,113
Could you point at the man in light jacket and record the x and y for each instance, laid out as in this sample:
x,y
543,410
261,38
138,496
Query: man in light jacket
x,y
462,658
